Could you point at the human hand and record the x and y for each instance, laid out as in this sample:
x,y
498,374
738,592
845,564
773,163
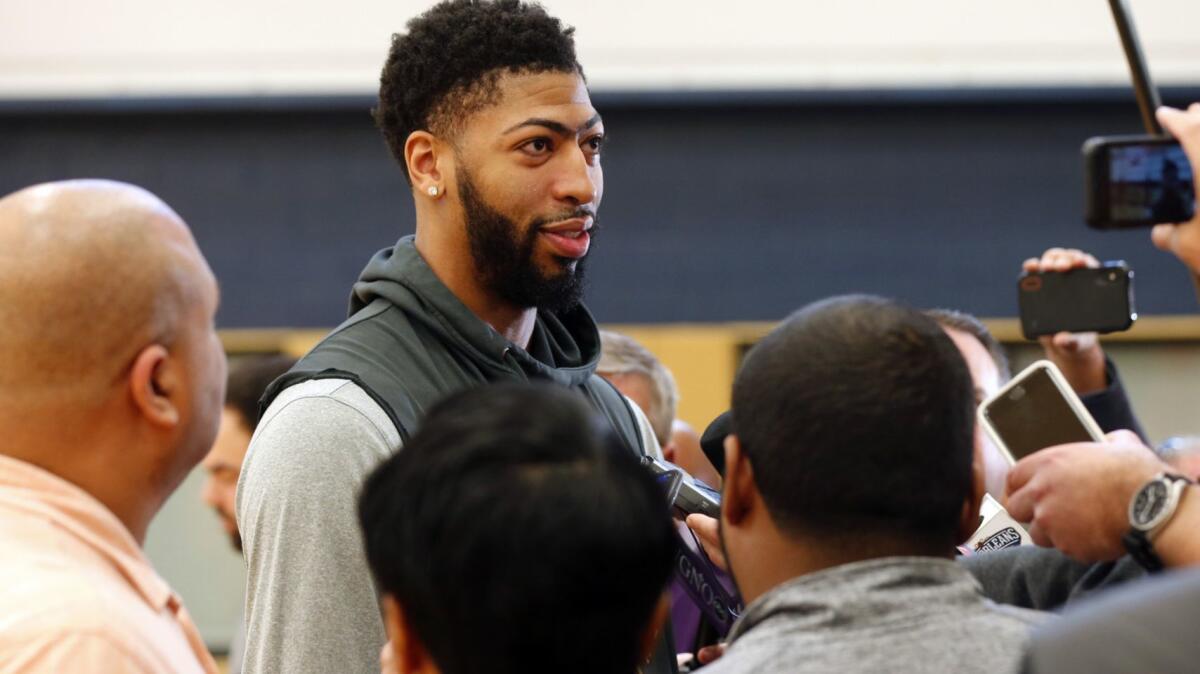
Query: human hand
x,y
708,532
387,660
1076,497
1183,239
1077,354
709,654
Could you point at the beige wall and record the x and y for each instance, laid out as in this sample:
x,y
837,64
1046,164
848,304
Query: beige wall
x,y
1159,361
71,48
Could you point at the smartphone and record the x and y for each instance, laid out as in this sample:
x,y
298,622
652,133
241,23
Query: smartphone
x,y
1137,181
1079,300
1036,410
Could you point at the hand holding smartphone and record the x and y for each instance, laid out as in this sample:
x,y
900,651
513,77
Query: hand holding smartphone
x,y
1077,300
1137,181
1036,410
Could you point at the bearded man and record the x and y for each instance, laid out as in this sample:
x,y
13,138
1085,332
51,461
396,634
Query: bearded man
x,y
485,106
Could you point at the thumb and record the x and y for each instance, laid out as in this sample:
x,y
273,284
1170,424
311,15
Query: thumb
x,y
1164,237
1123,437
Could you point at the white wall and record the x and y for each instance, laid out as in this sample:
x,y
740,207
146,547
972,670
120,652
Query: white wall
x,y
70,48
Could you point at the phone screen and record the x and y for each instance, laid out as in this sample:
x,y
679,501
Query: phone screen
x,y
1034,415
1150,182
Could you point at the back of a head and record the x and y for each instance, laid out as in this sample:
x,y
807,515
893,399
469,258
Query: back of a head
x,y
90,271
518,535
621,354
856,415
249,377
448,63
952,319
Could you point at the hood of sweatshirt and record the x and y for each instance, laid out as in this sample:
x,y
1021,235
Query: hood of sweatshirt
x,y
564,346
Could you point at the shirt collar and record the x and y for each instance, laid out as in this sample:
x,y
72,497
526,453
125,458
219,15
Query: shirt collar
x,y
27,488
873,589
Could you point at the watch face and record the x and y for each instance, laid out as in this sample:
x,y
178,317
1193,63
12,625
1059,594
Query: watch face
x,y
1149,504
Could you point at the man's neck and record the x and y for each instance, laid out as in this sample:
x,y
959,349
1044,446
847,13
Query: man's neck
x,y
460,276
779,559
130,503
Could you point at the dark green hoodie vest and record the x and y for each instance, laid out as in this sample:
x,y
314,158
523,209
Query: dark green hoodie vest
x,y
409,342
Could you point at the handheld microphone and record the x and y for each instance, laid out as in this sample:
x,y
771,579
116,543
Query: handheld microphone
x,y
684,492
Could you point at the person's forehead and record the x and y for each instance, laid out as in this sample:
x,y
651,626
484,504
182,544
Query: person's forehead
x,y
552,95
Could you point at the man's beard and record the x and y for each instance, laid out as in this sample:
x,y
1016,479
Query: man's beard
x,y
503,255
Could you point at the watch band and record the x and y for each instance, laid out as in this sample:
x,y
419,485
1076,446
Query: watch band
x,y
1142,550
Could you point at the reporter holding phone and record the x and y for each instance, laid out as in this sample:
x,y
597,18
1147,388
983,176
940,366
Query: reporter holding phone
x,y
1093,500
1077,496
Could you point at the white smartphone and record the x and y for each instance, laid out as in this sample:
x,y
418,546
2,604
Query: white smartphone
x,y
1036,410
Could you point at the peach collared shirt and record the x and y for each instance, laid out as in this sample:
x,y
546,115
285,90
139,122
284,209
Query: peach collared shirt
x,y
77,593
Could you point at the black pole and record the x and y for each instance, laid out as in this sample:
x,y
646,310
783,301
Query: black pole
x,y
1143,87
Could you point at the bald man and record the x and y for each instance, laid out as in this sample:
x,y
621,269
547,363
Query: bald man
x,y
110,392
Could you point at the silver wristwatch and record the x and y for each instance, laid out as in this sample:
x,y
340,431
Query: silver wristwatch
x,y
1150,509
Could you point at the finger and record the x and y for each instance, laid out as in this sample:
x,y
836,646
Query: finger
x,y
1032,264
1090,261
1164,237
1038,534
1066,341
707,530
1123,437
1172,119
1020,504
1025,469
710,654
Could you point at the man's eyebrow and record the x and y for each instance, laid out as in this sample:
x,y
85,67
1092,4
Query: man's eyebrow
x,y
555,126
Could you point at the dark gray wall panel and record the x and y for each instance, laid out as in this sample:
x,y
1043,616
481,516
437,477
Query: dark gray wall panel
x,y
730,207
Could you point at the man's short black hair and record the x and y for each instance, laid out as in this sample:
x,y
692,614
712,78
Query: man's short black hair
x,y
518,534
249,377
857,417
447,64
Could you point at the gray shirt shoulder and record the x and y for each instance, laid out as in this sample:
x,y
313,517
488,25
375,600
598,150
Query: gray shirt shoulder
x,y
310,603
888,615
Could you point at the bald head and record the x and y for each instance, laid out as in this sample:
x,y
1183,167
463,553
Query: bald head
x,y
90,272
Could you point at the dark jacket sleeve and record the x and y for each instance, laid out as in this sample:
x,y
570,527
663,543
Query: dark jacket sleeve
x,y
1044,578
1111,407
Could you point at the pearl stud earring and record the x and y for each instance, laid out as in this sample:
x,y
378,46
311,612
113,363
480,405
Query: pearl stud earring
x,y
433,190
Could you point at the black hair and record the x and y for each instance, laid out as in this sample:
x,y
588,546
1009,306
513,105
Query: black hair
x,y
249,377
447,64
857,417
953,319
518,534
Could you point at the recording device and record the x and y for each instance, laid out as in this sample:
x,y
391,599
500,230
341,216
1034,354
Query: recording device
x,y
1079,300
684,492
692,568
1036,410
1137,181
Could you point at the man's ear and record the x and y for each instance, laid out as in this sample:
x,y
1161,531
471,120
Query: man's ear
x,y
408,654
662,611
969,518
668,451
154,384
423,158
740,491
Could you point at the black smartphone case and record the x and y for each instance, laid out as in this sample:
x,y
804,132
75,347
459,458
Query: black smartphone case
x,y
1080,300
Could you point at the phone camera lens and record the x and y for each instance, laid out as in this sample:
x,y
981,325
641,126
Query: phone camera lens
x,y
1017,393
1112,276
